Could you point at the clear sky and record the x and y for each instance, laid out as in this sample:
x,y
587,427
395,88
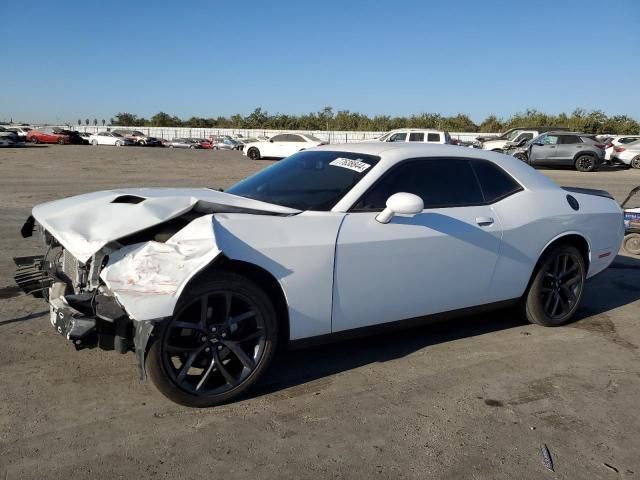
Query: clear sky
x,y
63,60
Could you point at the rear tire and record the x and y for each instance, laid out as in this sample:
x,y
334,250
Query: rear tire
x,y
118,143
224,332
556,287
631,243
585,163
635,162
253,153
61,141
94,143
35,140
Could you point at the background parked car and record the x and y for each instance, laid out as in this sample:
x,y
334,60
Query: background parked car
x,y
628,154
20,131
9,138
219,142
85,136
109,138
47,135
184,143
613,142
579,150
74,137
505,135
139,138
419,135
281,146
516,137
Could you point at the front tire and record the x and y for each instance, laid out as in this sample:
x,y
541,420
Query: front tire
x,y
61,141
635,162
35,140
556,288
220,340
253,153
585,163
522,157
94,143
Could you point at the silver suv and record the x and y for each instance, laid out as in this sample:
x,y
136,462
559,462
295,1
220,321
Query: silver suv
x,y
570,149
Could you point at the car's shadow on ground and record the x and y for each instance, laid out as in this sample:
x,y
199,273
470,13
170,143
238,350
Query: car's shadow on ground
x,y
617,286
297,367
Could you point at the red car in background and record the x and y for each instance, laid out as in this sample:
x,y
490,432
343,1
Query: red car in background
x,y
204,143
48,135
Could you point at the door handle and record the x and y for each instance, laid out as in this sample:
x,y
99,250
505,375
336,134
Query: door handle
x,y
484,221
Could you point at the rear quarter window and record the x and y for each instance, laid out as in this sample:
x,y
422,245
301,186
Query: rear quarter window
x,y
495,183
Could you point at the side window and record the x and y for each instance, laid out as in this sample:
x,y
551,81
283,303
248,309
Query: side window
x,y
279,138
433,137
442,182
523,136
295,138
496,184
569,139
416,137
550,140
398,137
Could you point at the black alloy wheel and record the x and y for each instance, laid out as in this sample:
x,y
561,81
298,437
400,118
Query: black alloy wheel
x,y
217,344
253,153
557,286
635,162
585,163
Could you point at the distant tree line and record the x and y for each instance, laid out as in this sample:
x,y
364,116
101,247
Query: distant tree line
x,y
594,121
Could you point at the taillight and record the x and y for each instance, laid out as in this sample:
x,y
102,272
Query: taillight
x,y
601,146
619,149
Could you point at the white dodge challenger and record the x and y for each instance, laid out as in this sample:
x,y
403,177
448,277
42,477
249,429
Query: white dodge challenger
x,y
334,241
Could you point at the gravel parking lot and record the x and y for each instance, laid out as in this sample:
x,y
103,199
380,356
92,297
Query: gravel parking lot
x,y
472,398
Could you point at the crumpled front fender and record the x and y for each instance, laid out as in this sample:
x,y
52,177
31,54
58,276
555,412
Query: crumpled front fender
x,y
148,278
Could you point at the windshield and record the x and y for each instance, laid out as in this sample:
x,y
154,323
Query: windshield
x,y
513,135
307,180
312,138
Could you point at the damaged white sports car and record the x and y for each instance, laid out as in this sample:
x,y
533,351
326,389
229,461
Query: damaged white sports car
x,y
337,240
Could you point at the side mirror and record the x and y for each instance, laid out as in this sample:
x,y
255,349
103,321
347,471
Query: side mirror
x,y
271,140
402,203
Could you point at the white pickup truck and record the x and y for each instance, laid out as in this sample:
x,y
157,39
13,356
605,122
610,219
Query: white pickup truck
x,y
513,138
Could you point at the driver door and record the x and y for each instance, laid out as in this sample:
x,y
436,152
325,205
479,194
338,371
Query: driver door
x,y
439,260
276,147
544,150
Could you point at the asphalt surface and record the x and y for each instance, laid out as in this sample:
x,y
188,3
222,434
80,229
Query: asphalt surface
x,y
474,398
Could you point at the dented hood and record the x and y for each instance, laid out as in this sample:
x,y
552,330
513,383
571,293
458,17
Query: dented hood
x,y
85,223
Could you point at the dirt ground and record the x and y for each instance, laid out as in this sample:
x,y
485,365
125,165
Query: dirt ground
x,y
473,398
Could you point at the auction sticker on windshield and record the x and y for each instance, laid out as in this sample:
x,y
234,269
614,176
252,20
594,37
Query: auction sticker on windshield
x,y
355,165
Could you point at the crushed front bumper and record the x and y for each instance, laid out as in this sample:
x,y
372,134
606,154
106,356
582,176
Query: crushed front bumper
x,y
86,319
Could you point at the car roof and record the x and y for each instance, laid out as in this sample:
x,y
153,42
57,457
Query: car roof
x,y
434,130
565,132
392,153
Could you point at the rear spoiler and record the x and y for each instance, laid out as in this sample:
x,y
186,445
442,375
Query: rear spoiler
x,y
631,194
589,191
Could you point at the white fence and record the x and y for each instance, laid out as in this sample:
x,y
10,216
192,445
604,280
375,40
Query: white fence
x,y
329,136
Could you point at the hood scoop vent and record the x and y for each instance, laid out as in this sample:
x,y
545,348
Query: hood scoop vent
x,y
132,199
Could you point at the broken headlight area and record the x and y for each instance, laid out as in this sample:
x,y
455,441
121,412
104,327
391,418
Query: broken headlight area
x,y
82,309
